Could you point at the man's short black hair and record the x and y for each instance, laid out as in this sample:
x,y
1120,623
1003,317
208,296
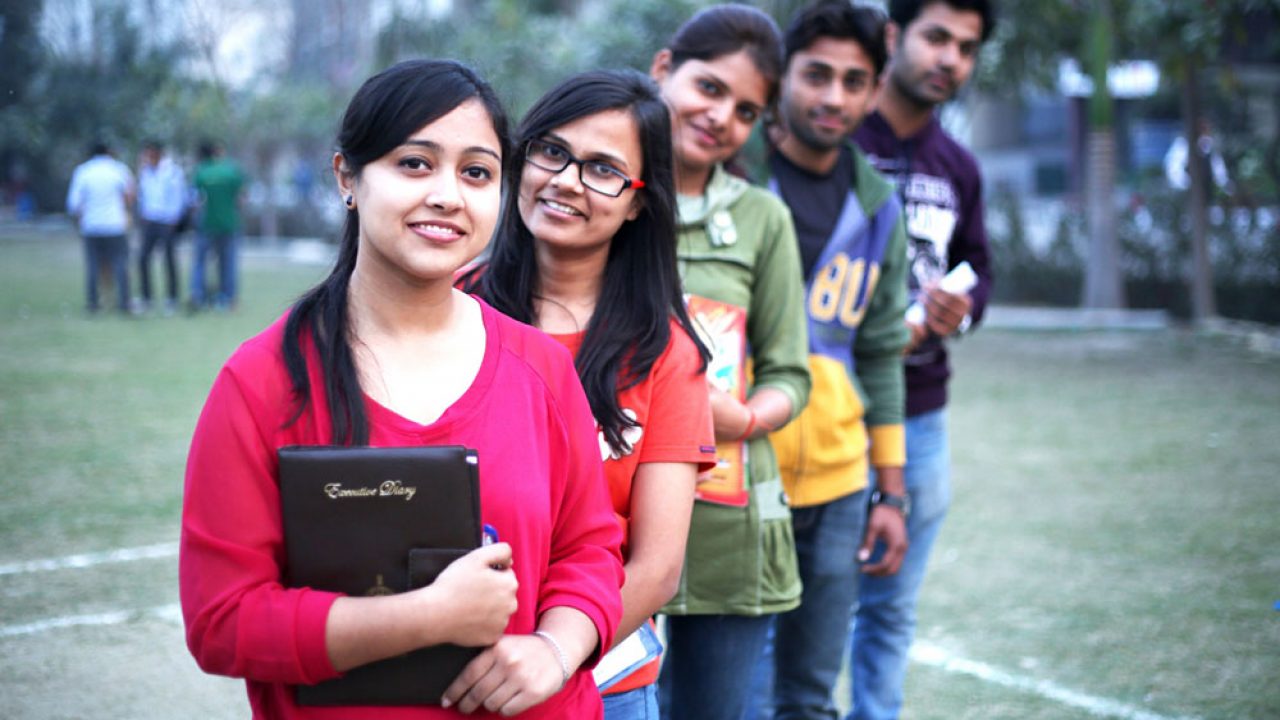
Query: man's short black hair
x,y
903,12
839,19
207,150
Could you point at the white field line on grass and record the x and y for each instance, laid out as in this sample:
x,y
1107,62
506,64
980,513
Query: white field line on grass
x,y
145,552
932,655
922,652
161,612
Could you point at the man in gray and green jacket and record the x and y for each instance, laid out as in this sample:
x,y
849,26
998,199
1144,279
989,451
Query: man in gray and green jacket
x,y
852,245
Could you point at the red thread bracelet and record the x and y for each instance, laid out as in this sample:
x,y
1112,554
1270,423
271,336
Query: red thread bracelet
x,y
751,426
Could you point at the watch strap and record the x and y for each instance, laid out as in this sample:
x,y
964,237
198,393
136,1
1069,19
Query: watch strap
x,y
901,502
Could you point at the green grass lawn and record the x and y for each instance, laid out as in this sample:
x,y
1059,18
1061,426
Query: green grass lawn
x,y
1115,530
96,412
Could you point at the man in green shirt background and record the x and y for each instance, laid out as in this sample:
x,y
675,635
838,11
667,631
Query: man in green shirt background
x,y
219,182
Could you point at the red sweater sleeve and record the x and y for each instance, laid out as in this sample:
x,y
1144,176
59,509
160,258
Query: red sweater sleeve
x,y
585,571
240,620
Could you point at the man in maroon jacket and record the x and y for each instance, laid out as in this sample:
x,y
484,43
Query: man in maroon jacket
x,y
934,46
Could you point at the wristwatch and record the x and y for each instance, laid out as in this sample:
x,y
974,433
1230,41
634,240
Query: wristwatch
x,y
901,502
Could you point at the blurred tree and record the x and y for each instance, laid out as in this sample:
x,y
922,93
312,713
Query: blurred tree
x,y
79,94
627,34
1031,40
20,48
300,116
1186,40
1016,57
330,42
524,49
549,7
21,54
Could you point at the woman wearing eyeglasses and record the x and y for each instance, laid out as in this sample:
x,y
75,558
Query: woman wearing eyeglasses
x,y
740,265
587,254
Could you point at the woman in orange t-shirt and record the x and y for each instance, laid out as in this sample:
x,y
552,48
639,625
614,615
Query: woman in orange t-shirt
x,y
586,253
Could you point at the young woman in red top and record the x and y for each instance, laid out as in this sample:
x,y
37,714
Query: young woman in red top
x,y
385,352
586,253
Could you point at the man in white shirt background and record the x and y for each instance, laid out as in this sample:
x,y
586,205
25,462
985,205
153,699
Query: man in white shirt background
x,y
99,198
1177,158
162,200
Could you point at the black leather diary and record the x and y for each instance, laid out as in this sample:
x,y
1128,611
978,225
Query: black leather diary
x,y
377,521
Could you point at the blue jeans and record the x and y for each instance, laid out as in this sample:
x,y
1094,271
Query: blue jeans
x,y
796,677
111,250
225,247
638,704
708,661
886,617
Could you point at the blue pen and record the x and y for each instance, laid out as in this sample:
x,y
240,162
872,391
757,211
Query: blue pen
x,y
490,535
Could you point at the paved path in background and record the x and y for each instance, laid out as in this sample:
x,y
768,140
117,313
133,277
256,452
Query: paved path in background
x,y
1257,337
1011,317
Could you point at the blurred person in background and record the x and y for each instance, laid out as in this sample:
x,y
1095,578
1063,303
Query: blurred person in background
x,y
219,183
162,201
1177,161
99,198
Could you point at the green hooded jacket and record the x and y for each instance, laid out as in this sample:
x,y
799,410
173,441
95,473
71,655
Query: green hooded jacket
x,y
737,246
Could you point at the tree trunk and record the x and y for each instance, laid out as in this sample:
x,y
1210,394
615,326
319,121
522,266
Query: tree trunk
x,y
1103,280
1103,283
1203,307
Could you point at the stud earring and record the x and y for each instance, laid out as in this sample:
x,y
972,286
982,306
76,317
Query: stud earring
x,y
349,202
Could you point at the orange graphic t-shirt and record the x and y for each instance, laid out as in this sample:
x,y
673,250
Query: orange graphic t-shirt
x,y
673,408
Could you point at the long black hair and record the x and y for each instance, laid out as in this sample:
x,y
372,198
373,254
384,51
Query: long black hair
x,y
383,113
640,291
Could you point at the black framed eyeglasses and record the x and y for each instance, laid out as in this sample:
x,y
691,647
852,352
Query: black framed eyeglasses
x,y
601,177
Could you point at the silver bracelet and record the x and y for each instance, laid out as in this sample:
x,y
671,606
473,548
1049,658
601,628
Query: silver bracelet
x,y
564,662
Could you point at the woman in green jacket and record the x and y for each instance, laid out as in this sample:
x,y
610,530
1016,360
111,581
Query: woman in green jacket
x,y
741,271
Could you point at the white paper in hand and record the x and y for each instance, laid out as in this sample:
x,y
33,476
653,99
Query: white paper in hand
x,y
960,280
